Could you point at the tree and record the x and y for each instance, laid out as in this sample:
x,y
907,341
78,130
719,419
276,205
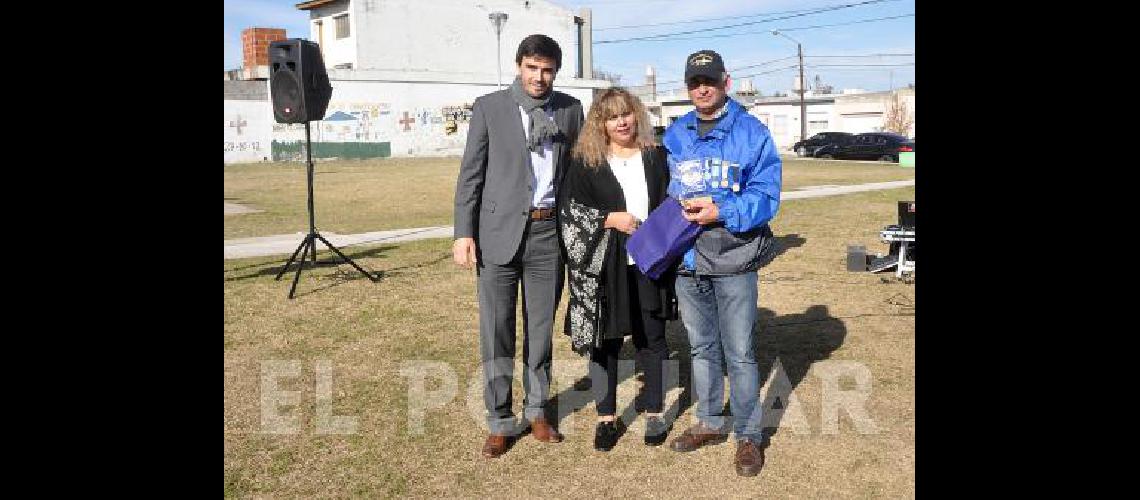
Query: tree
x,y
897,118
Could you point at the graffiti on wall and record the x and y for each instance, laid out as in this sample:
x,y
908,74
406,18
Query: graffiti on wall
x,y
349,130
453,116
238,124
242,146
246,134
356,122
433,130
458,114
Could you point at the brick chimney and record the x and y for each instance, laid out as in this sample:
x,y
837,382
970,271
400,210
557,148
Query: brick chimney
x,y
255,50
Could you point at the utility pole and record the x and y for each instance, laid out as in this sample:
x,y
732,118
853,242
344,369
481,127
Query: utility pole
x,y
803,89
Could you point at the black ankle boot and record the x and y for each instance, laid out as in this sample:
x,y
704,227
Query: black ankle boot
x,y
605,435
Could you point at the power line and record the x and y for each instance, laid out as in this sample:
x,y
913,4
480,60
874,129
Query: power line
x,y
857,65
765,63
849,67
750,23
777,29
701,20
691,21
865,55
845,24
777,70
771,61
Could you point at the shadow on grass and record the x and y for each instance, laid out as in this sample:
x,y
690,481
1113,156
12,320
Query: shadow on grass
x,y
788,242
331,260
796,340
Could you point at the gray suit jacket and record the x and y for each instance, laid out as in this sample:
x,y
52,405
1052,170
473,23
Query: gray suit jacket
x,y
494,189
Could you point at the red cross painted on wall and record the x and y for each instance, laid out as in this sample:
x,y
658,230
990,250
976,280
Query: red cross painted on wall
x,y
238,124
407,121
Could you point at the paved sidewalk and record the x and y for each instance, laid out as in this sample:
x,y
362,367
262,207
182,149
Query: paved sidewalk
x,y
285,244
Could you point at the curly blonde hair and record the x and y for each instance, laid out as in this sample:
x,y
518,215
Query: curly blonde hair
x,y
593,142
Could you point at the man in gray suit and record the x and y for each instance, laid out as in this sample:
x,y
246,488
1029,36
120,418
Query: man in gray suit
x,y
518,149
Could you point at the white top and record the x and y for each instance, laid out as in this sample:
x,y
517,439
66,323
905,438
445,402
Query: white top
x,y
630,173
541,167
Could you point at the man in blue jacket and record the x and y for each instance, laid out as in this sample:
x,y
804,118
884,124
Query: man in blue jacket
x,y
717,281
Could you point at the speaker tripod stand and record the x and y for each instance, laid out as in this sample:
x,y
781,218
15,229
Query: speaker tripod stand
x,y
309,244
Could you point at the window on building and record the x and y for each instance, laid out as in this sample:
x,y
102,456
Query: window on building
x,y
817,125
342,30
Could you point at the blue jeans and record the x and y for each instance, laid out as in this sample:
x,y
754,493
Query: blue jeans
x,y
719,313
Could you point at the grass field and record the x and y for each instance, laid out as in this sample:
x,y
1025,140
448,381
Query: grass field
x,y
395,193
816,318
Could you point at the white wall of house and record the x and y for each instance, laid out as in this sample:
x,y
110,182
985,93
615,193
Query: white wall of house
x,y
865,112
417,66
783,120
414,118
322,29
442,36
249,128
671,111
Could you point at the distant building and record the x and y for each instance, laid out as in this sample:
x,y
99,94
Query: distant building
x,y
405,73
851,110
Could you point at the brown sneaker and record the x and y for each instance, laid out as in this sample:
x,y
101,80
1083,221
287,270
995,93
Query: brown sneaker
x,y
495,446
749,458
695,437
544,432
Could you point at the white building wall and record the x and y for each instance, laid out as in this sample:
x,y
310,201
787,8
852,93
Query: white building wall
x,y
322,29
457,36
417,66
783,120
864,113
857,123
413,118
249,127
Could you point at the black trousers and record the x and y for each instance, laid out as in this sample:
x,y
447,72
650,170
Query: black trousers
x,y
649,339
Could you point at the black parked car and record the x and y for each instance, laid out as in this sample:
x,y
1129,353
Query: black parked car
x,y
881,146
813,143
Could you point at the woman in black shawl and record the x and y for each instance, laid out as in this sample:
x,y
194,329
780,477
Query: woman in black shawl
x,y
617,176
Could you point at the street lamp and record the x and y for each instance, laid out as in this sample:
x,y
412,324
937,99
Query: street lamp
x,y
498,19
803,109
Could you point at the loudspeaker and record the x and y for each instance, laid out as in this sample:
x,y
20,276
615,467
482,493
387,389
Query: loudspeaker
x,y
298,82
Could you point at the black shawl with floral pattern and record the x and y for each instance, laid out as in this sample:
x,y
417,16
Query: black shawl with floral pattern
x,y
596,257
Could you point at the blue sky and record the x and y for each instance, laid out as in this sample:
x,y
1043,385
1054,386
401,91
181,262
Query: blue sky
x,y
845,56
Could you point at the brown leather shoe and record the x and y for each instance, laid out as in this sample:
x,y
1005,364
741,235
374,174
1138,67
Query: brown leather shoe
x,y
749,458
695,437
544,432
495,446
